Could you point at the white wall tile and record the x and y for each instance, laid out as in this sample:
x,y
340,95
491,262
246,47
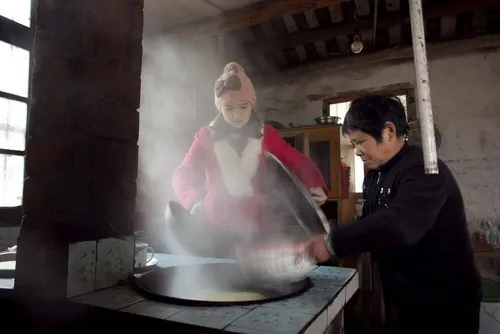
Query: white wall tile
x,y
352,287
81,268
336,306
319,325
115,261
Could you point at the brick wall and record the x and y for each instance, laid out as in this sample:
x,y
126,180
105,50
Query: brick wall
x,y
81,154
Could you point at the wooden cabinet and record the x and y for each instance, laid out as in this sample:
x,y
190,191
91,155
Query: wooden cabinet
x,y
326,146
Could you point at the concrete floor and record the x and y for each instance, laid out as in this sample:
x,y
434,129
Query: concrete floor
x,y
490,319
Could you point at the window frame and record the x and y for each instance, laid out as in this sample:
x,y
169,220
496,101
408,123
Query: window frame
x,y
18,35
406,88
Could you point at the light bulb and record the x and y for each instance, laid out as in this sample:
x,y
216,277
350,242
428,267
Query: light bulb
x,y
357,45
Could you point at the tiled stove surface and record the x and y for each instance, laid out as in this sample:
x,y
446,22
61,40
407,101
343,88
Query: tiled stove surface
x,y
310,312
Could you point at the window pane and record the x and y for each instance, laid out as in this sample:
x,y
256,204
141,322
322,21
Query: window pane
x,y
12,124
16,10
403,99
11,180
339,110
14,69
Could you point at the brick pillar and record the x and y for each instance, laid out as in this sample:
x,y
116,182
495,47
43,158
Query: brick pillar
x,y
81,155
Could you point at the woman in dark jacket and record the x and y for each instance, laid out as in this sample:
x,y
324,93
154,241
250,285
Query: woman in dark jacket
x,y
413,222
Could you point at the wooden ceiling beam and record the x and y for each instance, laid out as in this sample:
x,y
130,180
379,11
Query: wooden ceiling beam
x,y
246,17
436,49
388,20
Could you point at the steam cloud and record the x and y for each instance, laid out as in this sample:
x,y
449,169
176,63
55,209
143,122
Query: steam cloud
x,y
178,76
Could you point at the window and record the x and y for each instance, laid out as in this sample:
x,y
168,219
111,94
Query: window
x,y
16,10
339,109
15,46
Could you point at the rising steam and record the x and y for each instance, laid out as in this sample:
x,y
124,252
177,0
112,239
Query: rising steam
x,y
178,78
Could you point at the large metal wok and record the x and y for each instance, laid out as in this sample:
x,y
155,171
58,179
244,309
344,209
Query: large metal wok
x,y
212,284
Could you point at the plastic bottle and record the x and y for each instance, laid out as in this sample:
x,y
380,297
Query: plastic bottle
x,y
486,228
494,238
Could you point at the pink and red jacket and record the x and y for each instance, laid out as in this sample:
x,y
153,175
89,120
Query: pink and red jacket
x,y
226,182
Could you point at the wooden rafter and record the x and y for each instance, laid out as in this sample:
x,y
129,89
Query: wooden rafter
x,y
246,17
388,20
436,49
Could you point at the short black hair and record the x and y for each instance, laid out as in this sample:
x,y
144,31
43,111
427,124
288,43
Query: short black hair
x,y
369,114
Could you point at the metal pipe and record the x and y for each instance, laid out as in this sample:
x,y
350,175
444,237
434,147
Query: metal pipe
x,y
423,88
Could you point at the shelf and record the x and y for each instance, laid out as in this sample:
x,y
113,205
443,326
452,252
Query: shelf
x,y
485,251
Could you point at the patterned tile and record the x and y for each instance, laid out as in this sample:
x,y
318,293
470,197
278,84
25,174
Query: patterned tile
x,y
269,320
333,275
249,306
114,298
81,268
115,261
234,329
217,317
4,238
310,302
14,234
324,287
336,271
320,279
153,309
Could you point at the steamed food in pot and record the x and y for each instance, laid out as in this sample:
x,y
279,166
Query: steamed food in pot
x,y
227,296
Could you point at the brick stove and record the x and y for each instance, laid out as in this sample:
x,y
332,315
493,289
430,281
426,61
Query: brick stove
x,y
81,152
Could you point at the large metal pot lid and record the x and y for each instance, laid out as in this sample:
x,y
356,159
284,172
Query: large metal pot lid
x,y
295,196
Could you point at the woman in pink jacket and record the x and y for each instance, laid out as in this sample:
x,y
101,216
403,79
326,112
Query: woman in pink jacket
x,y
220,175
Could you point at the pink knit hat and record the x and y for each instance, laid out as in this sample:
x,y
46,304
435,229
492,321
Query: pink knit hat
x,y
234,85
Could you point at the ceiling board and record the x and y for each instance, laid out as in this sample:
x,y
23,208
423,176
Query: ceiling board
x,y
204,8
233,4
162,14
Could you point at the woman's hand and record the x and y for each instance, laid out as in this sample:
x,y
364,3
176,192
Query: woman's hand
x,y
318,195
315,249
